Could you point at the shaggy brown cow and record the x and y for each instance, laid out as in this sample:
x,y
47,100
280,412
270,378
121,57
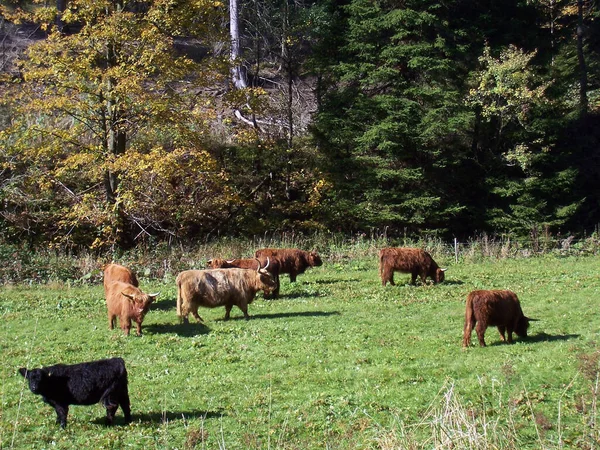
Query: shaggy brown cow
x,y
415,261
220,287
291,260
116,272
249,263
500,308
129,303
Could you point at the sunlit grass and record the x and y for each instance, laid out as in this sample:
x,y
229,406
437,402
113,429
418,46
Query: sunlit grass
x,y
337,362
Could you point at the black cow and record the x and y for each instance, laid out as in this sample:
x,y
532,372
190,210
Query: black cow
x,y
82,384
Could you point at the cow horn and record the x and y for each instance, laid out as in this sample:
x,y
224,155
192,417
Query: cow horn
x,y
443,270
229,261
267,265
209,261
129,296
532,320
154,295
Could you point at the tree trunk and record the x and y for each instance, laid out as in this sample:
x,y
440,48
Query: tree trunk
x,y
61,5
237,74
583,100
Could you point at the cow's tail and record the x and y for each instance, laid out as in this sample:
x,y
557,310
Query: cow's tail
x,y
381,264
469,320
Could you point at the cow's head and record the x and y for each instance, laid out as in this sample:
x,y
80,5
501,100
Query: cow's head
x,y
218,263
140,303
266,278
523,325
35,377
439,275
314,259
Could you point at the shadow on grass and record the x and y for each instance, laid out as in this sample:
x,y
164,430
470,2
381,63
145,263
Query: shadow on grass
x,y
164,305
181,329
160,417
294,295
346,280
170,416
536,338
286,315
453,282
544,337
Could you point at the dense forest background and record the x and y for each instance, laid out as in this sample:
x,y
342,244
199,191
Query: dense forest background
x,y
124,120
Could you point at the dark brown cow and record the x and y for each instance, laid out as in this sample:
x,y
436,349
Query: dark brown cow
x,y
291,260
116,272
249,263
220,287
129,303
415,261
500,308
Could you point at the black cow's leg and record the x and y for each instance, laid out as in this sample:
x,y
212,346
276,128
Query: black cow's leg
x,y
125,405
111,410
61,414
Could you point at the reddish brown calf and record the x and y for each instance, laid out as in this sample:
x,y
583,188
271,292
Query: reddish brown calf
x,y
500,308
128,303
415,261
292,261
116,272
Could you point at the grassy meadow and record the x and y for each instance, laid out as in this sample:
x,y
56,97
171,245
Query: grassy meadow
x,y
337,362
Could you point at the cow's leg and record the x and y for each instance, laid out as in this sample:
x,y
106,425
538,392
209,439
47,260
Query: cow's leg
x,y
509,331
126,325
111,405
194,311
293,276
228,307
502,330
125,406
423,276
61,413
244,307
276,290
413,277
138,328
480,329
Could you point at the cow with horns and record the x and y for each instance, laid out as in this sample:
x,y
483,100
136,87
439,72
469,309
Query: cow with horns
x,y
212,288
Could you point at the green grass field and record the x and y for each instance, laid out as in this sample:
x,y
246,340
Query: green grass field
x,y
338,362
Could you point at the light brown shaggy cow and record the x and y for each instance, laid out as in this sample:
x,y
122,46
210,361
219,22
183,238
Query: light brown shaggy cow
x,y
291,260
129,303
500,308
219,287
249,263
116,272
415,261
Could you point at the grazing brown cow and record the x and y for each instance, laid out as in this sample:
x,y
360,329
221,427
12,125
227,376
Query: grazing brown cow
x,y
116,272
291,260
220,287
415,261
500,308
129,303
249,263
